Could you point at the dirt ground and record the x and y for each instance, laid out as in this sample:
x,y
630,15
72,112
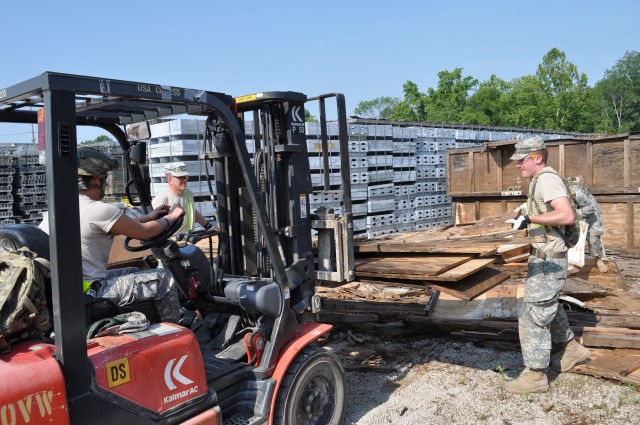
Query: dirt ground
x,y
446,380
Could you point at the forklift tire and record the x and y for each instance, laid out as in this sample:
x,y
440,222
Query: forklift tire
x,y
312,391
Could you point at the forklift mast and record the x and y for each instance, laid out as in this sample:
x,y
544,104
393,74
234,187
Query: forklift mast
x,y
281,169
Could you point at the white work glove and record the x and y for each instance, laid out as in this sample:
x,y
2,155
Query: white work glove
x,y
522,209
519,223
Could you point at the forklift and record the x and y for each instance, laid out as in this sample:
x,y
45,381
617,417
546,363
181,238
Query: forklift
x,y
249,353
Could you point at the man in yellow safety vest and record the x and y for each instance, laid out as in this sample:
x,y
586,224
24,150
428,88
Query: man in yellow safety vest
x,y
177,193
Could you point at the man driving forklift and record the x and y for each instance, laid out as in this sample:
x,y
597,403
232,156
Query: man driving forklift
x,y
100,222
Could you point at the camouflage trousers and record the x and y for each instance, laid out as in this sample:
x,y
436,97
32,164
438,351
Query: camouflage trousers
x,y
594,236
542,320
129,285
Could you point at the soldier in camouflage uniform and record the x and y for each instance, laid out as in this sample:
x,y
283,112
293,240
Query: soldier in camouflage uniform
x,y
99,222
589,210
543,326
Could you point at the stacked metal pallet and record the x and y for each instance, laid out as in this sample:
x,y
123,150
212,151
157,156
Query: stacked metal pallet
x,y
404,176
7,174
372,148
397,170
180,140
332,196
30,186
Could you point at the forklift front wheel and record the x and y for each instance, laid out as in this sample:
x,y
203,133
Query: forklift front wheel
x,y
312,391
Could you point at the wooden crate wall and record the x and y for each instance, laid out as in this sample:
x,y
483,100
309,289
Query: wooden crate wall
x,y
621,217
610,166
607,165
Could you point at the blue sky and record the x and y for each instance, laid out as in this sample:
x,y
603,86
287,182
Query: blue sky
x,y
362,49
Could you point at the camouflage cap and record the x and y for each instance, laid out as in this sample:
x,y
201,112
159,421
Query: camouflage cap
x,y
94,163
527,146
176,169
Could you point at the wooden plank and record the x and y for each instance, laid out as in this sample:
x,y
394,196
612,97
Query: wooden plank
x,y
341,317
416,267
369,307
489,208
499,162
500,303
627,164
608,164
485,165
554,157
460,272
473,286
471,176
619,364
634,164
511,177
589,176
576,160
432,247
458,172
630,227
465,212
514,252
608,337
630,321
590,337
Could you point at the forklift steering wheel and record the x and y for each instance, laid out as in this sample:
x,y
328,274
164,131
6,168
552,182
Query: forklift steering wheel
x,y
159,239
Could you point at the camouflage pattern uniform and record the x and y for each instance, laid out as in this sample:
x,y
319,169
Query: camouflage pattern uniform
x,y
128,285
589,210
542,321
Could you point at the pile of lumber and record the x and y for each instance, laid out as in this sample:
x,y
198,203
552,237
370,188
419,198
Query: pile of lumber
x,y
469,281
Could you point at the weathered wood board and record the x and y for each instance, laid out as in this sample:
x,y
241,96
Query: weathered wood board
x,y
463,270
620,364
474,285
500,303
416,268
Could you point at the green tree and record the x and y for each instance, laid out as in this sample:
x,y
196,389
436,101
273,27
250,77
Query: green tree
x,y
309,117
563,91
100,139
485,105
446,103
521,103
618,95
378,108
412,106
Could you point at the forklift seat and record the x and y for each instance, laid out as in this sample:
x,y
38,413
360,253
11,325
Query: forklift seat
x,y
16,236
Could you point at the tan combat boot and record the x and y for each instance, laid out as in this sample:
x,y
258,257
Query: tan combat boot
x,y
566,358
531,381
601,265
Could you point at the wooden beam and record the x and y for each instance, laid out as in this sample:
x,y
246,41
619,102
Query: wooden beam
x,y
472,174
631,242
589,176
561,160
473,285
627,163
499,171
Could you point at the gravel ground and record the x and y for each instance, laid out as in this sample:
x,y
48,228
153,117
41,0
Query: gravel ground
x,y
453,381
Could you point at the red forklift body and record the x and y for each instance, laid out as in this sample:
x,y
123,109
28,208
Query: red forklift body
x,y
32,387
245,350
159,369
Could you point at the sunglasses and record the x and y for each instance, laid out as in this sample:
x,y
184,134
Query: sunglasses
x,y
181,178
530,156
